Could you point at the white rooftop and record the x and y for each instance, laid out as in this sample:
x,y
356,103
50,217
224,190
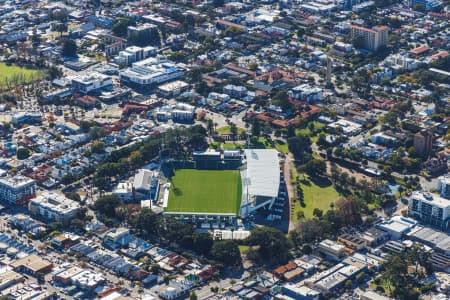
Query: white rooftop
x,y
263,172
432,199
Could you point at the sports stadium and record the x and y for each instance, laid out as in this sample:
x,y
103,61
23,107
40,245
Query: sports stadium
x,y
217,192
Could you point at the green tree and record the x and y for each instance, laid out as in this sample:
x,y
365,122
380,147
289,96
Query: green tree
x,y
147,222
349,211
73,196
69,48
233,130
317,212
273,245
203,243
282,99
226,252
23,153
316,167
210,126
61,27
121,25
298,145
256,127
307,249
107,205
97,147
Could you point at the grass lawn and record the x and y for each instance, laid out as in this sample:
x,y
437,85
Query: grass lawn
x,y
231,145
262,143
306,131
205,191
243,248
315,196
281,146
227,130
10,71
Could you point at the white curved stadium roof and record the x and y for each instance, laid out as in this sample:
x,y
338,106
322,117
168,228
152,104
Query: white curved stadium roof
x,y
263,172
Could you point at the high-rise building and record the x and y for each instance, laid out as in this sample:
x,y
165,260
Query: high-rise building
x,y
143,35
423,143
16,190
373,38
429,208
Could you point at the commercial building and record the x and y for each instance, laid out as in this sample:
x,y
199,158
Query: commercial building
x,y
438,240
117,237
88,280
397,226
53,207
300,292
149,72
423,143
443,186
176,289
91,82
261,180
352,241
65,276
331,249
173,89
16,190
371,39
429,208
29,118
32,264
9,278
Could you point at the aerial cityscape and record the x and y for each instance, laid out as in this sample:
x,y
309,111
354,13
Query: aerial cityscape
x,y
216,149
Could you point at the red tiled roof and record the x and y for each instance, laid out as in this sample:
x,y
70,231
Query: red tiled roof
x,y
419,50
439,55
282,269
280,123
231,24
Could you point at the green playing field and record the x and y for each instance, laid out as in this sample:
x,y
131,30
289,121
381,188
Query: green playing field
x,y
205,191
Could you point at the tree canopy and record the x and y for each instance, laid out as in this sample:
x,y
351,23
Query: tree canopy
x,y
69,48
226,252
272,245
121,24
107,205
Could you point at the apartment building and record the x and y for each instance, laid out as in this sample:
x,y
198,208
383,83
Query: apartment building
x,y
133,54
371,38
423,143
53,207
429,208
16,190
143,34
